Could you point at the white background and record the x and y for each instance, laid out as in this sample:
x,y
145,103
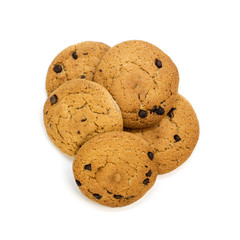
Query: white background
x,y
39,198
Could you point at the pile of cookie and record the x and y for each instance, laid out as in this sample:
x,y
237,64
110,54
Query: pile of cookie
x,y
118,112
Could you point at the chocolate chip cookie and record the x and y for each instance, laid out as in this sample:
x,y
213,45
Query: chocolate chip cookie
x,y
175,137
115,168
142,79
75,62
77,111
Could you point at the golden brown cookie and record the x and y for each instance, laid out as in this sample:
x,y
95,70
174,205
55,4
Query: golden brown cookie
x,y
175,137
142,79
75,62
77,111
115,168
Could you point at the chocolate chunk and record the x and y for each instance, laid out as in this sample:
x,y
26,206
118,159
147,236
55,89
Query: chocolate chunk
x,y
78,183
88,167
146,181
177,138
170,113
150,155
57,68
149,173
85,53
83,120
74,55
142,114
97,196
78,132
160,111
53,99
82,77
158,63
117,196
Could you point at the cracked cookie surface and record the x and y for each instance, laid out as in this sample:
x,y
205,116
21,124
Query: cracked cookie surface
x,y
77,111
115,168
142,79
78,61
175,137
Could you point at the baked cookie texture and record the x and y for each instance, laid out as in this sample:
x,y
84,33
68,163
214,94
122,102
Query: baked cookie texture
x,y
77,111
142,79
115,169
175,137
78,61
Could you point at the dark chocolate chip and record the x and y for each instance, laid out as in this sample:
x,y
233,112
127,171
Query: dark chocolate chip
x,y
74,55
78,183
177,138
88,167
100,70
149,173
82,77
150,155
53,99
117,196
170,113
146,181
46,112
130,197
154,109
109,192
83,120
160,111
142,114
158,63
85,53
97,196
146,166
78,132
57,68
